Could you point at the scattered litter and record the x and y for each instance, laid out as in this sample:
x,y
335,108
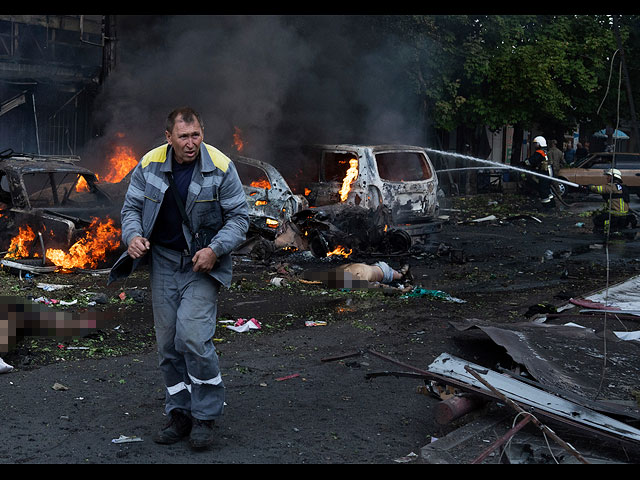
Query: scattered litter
x,y
122,295
410,457
243,325
580,224
295,375
53,301
125,439
45,300
489,218
314,323
278,281
628,335
51,287
5,367
59,387
421,292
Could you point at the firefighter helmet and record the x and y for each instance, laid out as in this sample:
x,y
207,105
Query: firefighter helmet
x,y
614,172
540,141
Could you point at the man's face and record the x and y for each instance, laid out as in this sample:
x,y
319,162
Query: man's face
x,y
185,140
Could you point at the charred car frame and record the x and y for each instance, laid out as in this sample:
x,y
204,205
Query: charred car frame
x,y
52,194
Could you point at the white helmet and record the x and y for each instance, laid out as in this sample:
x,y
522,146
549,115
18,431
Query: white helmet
x,y
614,172
540,141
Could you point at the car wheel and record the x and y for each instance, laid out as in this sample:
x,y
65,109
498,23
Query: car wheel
x,y
561,188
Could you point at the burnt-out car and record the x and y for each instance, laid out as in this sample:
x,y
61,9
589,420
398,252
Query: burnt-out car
x,y
269,198
53,195
399,178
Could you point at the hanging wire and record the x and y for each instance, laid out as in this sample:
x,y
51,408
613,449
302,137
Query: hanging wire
x,y
608,230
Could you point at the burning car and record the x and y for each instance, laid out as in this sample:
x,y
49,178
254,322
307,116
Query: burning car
x,y
370,198
271,202
400,178
53,209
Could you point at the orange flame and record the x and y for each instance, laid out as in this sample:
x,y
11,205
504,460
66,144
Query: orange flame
x,y
82,185
121,163
350,177
19,247
261,184
101,237
340,250
237,139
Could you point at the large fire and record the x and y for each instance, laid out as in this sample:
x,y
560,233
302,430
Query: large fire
x,y
121,163
350,177
100,238
20,244
118,166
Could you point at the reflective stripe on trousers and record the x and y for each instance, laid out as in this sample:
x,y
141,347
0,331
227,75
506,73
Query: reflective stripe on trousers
x,y
184,310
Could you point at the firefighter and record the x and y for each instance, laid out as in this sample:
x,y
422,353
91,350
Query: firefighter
x,y
616,213
539,163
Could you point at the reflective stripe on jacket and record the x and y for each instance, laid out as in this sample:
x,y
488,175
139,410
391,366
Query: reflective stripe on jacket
x,y
618,205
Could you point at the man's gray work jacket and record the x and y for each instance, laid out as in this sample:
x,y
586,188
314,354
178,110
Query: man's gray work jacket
x,y
215,198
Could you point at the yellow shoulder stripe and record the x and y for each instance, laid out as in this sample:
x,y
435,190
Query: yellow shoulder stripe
x,y
218,158
158,155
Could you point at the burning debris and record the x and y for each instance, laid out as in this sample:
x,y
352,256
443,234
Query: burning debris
x,y
54,213
347,198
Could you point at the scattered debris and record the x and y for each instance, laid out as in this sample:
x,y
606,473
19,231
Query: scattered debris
x,y
422,292
126,439
50,287
537,400
242,325
314,323
59,387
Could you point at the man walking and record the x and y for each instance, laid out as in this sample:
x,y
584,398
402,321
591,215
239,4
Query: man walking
x,y
185,208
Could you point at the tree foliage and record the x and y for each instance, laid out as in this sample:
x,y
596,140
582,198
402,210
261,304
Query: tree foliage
x,y
513,69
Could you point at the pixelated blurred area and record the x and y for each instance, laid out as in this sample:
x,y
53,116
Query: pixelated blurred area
x,y
21,318
338,279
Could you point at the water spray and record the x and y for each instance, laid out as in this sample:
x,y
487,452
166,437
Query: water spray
x,y
501,166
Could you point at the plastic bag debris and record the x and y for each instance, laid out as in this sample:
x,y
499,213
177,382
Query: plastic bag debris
x,y
421,292
51,287
314,323
243,325
126,439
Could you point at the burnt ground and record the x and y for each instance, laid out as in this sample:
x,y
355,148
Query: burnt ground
x,y
288,400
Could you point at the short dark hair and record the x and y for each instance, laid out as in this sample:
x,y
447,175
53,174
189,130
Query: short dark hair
x,y
187,114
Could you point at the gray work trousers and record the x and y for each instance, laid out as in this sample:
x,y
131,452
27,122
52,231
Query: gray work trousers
x,y
184,311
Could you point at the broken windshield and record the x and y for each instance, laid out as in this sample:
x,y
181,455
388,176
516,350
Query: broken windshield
x,y
403,166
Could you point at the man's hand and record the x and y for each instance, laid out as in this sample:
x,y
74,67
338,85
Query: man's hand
x,y
138,247
204,260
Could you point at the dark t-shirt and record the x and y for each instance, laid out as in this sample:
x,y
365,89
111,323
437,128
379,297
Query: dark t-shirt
x,y
168,227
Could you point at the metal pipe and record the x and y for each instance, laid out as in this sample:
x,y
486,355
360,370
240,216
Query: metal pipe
x,y
503,439
518,409
502,165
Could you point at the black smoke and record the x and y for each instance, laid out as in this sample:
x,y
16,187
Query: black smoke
x,y
280,79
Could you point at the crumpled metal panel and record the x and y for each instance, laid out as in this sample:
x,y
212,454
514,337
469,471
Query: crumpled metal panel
x,y
453,367
568,360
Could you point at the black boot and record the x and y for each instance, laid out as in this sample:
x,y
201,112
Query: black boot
x,y
201,433
178,427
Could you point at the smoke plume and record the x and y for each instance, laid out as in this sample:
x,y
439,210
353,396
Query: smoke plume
x,y
279,79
